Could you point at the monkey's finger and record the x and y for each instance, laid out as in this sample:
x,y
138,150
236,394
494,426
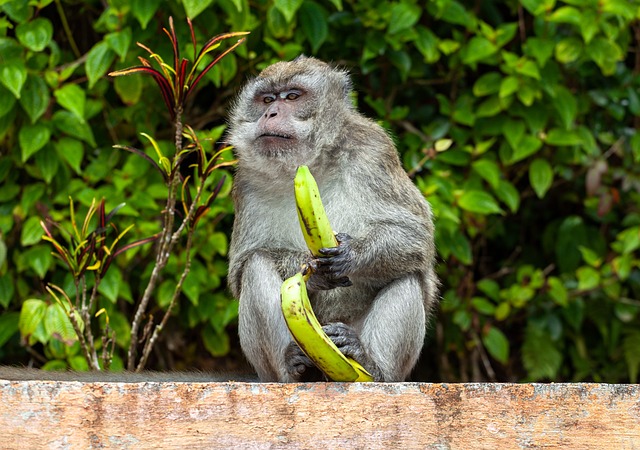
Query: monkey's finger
x,y
330,251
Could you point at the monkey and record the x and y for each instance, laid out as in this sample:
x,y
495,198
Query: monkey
x,y
375,292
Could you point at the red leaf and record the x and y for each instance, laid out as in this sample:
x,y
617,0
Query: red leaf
x,y
213,63
193,39
143,155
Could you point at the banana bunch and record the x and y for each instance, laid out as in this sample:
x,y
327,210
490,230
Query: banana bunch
x,y
296,308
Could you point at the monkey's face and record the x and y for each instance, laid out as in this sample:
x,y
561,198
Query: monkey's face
x,y
288,114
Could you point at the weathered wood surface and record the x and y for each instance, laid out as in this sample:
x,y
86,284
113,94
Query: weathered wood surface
x,y
74,415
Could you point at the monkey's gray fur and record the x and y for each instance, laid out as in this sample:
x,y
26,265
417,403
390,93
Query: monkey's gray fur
x,y
375,292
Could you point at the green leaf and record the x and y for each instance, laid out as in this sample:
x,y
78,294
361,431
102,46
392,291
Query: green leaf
x,y
99,60
143,10
588,278
58,325
403,17
508,194
453,12
31,316
216,343
589,25
490,107
451,240
8,326
78,363
13,75
497,344
32,138
119,42
590,256
313,21
571,234
559,137
277,24
508,86
68,123
490,288
488,170
19,11
479,202
629,240
48,163
194,7
566,14
540,48
8,100
31,232
630,346
39,259
478,49
487,84
55,365
566,105
540,176
528,146
129,89
36,34
110,284
538,7
461,247
483,306
557,291
72,98
568,50
3,259
605,54
34,97
288,8
529,68
72,151
513,130
540,355
427,44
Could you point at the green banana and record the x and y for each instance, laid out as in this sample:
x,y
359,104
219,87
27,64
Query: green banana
x,y
302,322
311,338
314,223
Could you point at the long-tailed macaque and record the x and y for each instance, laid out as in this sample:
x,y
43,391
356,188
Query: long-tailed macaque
x,y
374,292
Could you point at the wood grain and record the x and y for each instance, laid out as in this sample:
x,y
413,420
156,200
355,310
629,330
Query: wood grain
x,y
76,415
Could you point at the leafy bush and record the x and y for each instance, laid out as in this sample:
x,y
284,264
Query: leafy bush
x,y
518,121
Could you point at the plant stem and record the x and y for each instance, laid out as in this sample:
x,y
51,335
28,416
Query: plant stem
x,y
164,248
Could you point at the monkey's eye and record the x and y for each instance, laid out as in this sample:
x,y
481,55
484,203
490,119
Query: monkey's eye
x,y
269,98
292,95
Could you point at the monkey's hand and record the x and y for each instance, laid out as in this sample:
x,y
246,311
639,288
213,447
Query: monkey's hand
x,y
348,342
299,366
336,262
330,270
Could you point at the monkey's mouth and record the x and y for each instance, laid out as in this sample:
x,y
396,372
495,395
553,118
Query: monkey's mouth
x,y
276,135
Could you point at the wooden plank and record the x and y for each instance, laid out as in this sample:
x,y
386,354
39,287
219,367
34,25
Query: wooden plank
x,y
78,415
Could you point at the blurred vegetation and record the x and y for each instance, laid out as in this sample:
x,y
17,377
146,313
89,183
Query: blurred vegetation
x,y
517,119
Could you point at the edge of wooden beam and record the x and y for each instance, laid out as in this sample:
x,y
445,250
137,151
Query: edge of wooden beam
x,y
69,414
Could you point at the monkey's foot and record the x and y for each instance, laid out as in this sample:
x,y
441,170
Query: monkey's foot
x,y
299,366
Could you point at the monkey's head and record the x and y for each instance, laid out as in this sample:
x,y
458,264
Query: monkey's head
x,y
290,114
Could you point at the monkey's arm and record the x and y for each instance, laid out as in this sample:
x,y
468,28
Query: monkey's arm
x,y
386,251
287,262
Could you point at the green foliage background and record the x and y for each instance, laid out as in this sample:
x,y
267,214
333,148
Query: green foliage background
x,y
536,200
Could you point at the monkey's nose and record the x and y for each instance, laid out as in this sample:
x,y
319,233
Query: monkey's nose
x,y
270,114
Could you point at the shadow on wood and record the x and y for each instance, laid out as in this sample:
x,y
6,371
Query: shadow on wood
x,y
76,415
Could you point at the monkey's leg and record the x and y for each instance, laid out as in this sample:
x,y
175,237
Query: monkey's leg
x,y
393,330
264,335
